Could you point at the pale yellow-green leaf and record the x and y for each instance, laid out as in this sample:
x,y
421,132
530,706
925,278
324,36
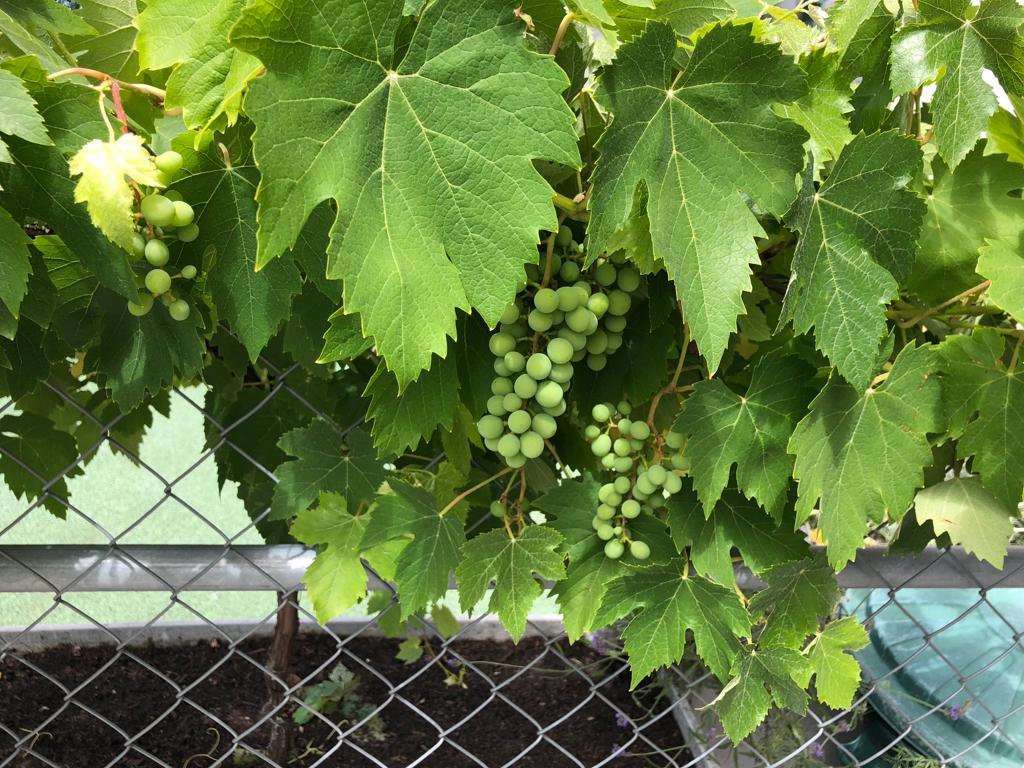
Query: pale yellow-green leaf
x,y
970,514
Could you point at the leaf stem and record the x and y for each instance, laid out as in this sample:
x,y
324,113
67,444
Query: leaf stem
x,y
949,302
549,255
673,385
1015,356
563,27
95,74
451,504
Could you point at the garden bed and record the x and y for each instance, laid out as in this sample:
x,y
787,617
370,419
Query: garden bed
x,y
131,697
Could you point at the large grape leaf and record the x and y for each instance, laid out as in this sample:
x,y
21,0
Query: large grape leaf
x,y
795,597
822,110
425,563
671,601
1002,262
18,114
966,206
34,455
513,564
970,515
582,591
860,455
77,315
325,461
761,677
700,140
570,508
209,75
858,238
14,263
428,157
954,43
733,522
836,670
749,431
985,404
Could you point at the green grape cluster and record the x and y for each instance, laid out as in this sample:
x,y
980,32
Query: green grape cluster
x,y
640,484
162,216
579,315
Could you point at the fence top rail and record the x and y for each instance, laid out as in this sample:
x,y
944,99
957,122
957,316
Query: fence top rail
x,y
190,568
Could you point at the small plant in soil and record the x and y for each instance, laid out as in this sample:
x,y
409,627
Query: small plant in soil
x,y
339,695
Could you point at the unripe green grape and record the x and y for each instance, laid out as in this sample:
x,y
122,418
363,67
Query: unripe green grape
x,y
562,373
497,509
515,461
622,485
605,532
592,323
568,298
598,304
619,303
169,162
557,317
172,194
639,430
614,498
624,407
510,315
621,447
591,432
577,356
188,233
630,508
519,421
644,485
596,522
600,413
490,427
545,300
549,394
511,402
189,272
508,445
539,321
515,361
675,440
538,365
601,446
605,511
639,495
157,253
617,530
544,425
556,263
605,274
604,491
560,351
636,445
180,310
141,306
628,279
597,343
583,296
577,340
565,386
623,425
679,461
657,474
614,342
491,443
614,549
673,484
639,550
500,369
578,319
564,236
657,500
496,405
501,386
501,344
531,444
622,464
596,362
557,410
525,386
619,257
183,213
157,210
614,324
138,245
584,286
157,281
608,460
570,271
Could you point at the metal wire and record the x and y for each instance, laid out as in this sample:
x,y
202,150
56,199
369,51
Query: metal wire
x,y
680,696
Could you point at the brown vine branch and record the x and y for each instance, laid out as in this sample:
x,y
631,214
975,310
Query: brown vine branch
x,y
95,74
673,385
448,507
931,311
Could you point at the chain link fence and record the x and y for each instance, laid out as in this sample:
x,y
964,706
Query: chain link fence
x,y
178,680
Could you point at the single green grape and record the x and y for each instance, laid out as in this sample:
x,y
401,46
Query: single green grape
x,y
621,447
508,445
644,485
624,407
591,431
501,344
639,550
525,386
675,440
157,281
549,394
519,421
679,461
544,425
490,427
157,253
515,361
605,274
596,522
597,362
172,195
605,532
515,461
497,509
628,279
501,386
496,405
511,402
608,460
673,484
604,491
531,444
540,322
562,373
630,508
570,271
597,342
564,237
619,302
515,330
560,351
578,320
157,210
623,425
141,306
601,445
598,304
614,323
557,410
180,310
614,549
138,245
657,474
538,365
614,498
617,530
577,340
622,485
545,300
568,298
622,464
510,315
639,430
183,213
614,342
189,272
500,369
169,162
188,233
601,413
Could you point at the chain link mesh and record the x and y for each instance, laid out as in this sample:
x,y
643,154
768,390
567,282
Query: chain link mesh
x,y
124,694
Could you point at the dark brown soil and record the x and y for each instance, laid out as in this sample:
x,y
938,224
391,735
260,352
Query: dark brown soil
x,y
132,699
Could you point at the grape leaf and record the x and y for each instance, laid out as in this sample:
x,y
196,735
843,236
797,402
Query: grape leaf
x,y
699,140
77,316
1002,262
761,676
209,75
822,110
344,338
582,591
954,43
836,671
796,596
1006,135
224,196
967,206
859,235
733,522
400,418
336,579
424,565
19,115
570,507
861,455
428,158
325,461
970,515
34,455
110,48
14,263
513,564
749,431
672,601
